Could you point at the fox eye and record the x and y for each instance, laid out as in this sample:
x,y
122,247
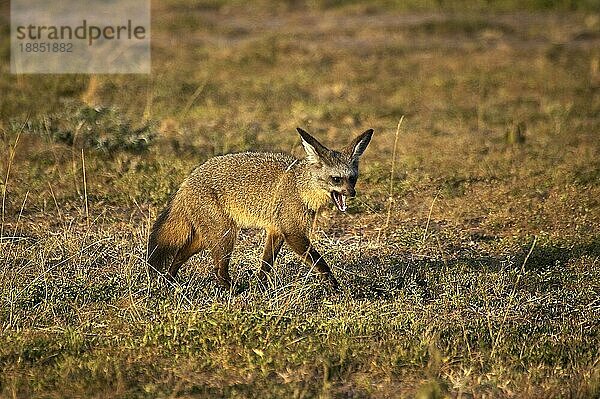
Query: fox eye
x,y
336,180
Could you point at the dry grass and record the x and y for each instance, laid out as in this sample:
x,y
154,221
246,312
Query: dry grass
x,y
480,278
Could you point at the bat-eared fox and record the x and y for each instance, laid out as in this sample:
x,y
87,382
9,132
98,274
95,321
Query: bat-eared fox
x,y
276,192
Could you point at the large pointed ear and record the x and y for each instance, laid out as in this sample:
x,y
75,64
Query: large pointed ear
x,y
356,148
315,151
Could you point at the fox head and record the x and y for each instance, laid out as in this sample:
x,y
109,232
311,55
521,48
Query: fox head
x,y
335,172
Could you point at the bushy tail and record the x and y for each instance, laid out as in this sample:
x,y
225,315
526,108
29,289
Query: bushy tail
x,y
167,236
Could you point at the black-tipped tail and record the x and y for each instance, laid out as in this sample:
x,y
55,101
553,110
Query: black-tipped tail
x,y
160,256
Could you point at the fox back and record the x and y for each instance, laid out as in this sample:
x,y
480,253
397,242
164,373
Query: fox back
x,y
276,192
251,188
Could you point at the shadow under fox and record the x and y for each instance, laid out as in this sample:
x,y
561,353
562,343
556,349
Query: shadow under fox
x,y
276,192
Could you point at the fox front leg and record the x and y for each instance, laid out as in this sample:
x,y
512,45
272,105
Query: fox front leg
x,y
272,247
302,246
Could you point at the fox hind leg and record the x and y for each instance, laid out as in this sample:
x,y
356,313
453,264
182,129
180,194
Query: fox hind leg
x,y
221,250
192,247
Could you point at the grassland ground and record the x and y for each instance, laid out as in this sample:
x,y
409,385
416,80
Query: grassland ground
x,y
471,271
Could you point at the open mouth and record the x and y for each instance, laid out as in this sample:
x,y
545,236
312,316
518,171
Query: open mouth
x,y
339,200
